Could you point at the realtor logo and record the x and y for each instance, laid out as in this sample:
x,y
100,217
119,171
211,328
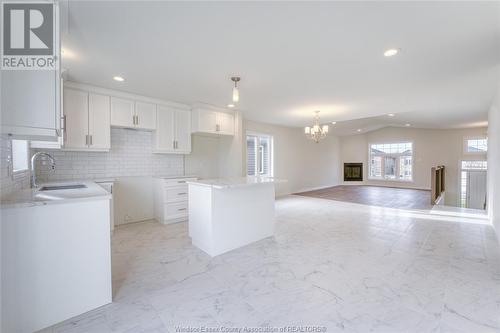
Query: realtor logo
x,y
28,36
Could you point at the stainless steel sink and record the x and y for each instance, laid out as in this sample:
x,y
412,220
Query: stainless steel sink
x,y
62,187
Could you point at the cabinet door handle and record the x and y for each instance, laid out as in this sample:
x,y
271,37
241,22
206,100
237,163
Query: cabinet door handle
x,y
86,140
173,144
182,193
180,209
63,118
181,181
91,140
217,128
137,118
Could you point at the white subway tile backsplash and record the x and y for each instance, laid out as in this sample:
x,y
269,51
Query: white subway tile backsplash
x,y
130,155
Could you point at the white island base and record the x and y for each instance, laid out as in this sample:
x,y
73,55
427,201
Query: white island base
x,y
227,214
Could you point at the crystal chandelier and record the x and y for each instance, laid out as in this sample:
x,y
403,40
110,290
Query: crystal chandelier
x,y
316,132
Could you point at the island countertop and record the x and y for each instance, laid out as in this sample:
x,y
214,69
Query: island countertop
x,y
223,183
34,197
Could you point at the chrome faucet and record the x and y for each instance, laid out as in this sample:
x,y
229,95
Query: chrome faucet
x,y
33,160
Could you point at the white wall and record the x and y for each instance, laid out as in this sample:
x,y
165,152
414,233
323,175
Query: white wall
x,y
431,148
304,163
494,163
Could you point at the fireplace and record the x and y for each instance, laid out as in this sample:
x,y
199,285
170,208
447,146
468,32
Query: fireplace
x,y
353,172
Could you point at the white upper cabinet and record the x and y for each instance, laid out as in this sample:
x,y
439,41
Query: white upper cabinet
x,y
145,114
209,121
99,122
206,121
131,114
87,121
122,112
164,137
173,131
225,122
183,131
31,99
76,109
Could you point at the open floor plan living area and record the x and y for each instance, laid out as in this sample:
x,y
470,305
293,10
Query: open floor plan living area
x,y
249,166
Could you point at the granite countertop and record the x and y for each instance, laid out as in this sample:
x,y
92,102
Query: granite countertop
x,y
222,183
34,197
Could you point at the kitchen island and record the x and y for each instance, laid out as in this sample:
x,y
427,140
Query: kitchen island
x,y
225,214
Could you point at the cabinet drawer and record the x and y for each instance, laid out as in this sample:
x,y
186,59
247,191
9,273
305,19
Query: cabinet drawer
x,y
176,182
176,210
175,194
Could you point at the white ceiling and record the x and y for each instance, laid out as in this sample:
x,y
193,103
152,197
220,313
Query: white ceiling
x,y
296,57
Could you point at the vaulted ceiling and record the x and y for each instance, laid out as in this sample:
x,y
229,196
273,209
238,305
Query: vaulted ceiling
x,y
296,57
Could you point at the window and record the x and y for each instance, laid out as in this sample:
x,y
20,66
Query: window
x,y
476,145
391,161
19,155
259,155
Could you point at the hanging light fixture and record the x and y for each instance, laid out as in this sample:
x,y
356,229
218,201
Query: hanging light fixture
x,y
236,92
316,132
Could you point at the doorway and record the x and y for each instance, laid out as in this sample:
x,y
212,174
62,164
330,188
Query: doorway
x,y
473,184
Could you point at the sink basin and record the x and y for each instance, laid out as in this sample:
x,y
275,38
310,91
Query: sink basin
x,y
62,187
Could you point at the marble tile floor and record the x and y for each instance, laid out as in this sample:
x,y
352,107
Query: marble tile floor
x,y
343,266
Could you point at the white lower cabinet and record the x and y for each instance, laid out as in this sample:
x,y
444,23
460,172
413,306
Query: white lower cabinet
x,y
171,199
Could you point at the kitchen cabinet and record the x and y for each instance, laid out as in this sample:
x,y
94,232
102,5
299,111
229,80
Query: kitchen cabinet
x,y
131,114
30,99
225,122
209,121
173,131
87,121
99,122
171,199
145,115
122,112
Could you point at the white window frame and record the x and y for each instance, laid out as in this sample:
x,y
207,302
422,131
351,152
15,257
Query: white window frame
x,y
370,177
258,157
466,145
20,173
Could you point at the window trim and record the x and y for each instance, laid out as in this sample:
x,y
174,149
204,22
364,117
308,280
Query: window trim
x,y
271,154
474,137
369,177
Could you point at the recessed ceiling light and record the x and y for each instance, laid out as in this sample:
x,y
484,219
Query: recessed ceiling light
x,y
230,105
118,78
407,125
391,114
391,52
334,122
359,129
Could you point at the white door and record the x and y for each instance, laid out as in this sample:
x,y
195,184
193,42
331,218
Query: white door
x,y
122,112
165,134
476,189
183,131
145,115
207,121
99,121
76,109
226,123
